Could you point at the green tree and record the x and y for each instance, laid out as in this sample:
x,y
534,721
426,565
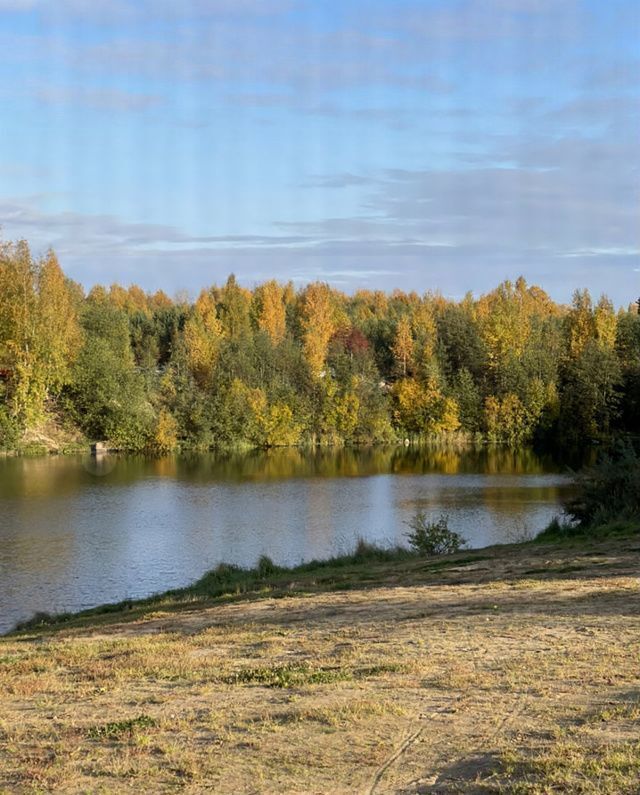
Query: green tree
x,y
107,393
590,398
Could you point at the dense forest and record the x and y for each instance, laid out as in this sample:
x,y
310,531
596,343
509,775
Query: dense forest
x,y
283,366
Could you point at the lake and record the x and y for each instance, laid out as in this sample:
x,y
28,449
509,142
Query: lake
x,y
76,532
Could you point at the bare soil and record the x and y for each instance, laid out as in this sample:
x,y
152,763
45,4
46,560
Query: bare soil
x,y
515,669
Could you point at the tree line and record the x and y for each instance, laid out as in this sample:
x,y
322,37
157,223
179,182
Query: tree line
x,y
279,366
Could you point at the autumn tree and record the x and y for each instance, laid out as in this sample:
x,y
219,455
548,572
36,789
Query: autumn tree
x,y
425,332
274,366
422,409
507,419
59,333
234,307
271,311
318,325
580,322
19,332
505,321
202,336
605,322
39,331
403,345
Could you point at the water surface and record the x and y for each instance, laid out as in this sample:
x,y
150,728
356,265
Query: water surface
x,y
76,532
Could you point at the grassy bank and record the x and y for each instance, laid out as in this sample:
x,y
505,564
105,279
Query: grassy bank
x,y
510,669
365,565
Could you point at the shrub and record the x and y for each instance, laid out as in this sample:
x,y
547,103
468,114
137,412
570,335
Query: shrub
x,y
164,437
608,491
9,430
558,528
433,538
266,567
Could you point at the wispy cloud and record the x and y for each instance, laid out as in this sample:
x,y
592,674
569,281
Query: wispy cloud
x,y
458,142
97,99
141,9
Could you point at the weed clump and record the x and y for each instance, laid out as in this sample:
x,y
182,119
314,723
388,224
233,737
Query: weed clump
x,y
121,728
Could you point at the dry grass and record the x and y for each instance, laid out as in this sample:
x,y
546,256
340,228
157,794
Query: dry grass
x,y
513,670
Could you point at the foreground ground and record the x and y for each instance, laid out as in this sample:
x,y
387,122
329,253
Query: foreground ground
x,y
515,669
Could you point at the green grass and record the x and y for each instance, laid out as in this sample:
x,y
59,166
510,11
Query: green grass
x,y
121,728
575,765
558,530
297,675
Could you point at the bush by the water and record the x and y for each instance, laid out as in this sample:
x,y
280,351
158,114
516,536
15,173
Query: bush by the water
x,y
606,498
433,538
608,491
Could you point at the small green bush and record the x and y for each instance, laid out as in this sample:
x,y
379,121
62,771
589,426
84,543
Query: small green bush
x,y
266,567
558,528
433,538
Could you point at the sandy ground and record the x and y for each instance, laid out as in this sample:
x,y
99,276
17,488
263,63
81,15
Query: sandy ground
x,y
516,670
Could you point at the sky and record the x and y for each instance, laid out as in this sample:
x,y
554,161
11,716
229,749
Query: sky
x,y
416,144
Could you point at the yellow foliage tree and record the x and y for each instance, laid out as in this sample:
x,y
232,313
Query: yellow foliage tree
x,y
341,411
606,323
347,413
165,435
234,310
279,427
422,409
59,334
424,325
19,331
39,329
581,322
507,419
318,325
272,313
403,345
202,333
505,321
118,296
268,425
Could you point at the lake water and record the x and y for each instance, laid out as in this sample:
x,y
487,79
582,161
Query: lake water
x,y
78,532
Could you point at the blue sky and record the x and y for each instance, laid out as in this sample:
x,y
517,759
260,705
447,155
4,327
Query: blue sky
x,y
432,144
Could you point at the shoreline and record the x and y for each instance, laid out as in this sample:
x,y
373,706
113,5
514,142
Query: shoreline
x,y
442,440
501,670
365,566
